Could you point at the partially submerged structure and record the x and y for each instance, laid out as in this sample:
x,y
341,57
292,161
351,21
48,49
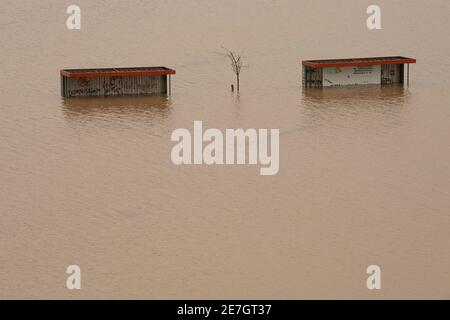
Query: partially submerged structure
x,y
341,72
115,81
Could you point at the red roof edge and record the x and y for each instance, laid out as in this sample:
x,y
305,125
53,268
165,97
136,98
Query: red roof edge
x,y
92,73
333,63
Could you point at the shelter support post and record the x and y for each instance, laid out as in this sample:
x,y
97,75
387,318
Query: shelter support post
x,y
407,80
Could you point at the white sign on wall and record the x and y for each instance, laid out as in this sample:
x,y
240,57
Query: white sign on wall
x,y
351,76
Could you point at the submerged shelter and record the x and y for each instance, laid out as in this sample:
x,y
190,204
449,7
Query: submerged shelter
x,y
341,72
115,81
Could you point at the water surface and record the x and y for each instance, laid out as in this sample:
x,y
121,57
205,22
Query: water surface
x,y
364,172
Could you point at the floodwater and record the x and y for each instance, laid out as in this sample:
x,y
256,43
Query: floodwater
x,y
364,172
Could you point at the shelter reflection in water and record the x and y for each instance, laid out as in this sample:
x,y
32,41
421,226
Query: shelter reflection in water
x,y
120,108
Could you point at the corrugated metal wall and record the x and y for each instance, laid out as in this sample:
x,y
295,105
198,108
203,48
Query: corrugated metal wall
x,y
113,86
312,78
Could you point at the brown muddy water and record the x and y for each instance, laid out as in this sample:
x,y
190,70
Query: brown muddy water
x,y
364,172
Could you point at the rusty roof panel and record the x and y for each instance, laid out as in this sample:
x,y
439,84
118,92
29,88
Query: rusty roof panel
x,y
116,72
330,63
